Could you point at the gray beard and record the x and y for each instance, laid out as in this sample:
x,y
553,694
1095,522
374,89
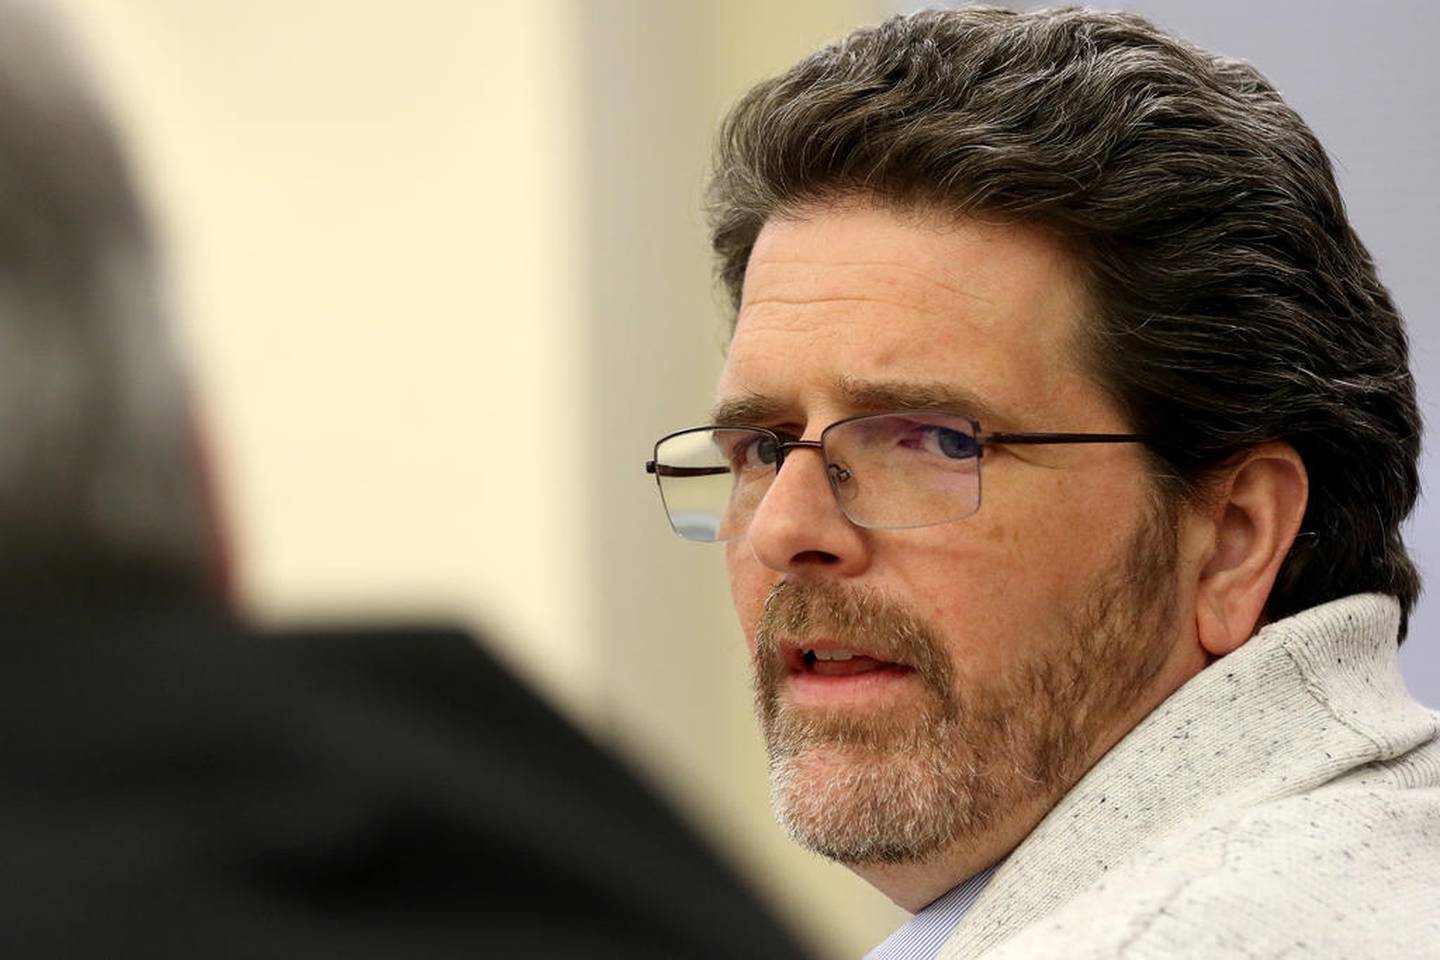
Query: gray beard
x,y
902,787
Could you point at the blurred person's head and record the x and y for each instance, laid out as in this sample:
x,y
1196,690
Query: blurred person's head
x,y
993,224
100,492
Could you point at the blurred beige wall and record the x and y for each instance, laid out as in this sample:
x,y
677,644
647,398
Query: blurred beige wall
x,y
443,274
375,251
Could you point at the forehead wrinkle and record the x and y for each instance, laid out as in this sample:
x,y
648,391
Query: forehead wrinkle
x,y
806,301
888,269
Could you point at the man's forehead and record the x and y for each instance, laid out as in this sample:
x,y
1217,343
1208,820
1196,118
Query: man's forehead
x,y
859,310
899,254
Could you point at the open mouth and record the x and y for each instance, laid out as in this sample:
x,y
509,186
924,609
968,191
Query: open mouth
x,y
840,662
824,675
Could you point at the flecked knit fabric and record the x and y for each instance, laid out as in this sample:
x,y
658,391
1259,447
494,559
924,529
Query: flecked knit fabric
x,y
1283,803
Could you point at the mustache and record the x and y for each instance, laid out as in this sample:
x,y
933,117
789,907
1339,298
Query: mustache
x,y
861,618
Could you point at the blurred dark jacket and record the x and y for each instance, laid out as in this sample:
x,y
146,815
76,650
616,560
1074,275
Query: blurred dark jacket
x,y
178,787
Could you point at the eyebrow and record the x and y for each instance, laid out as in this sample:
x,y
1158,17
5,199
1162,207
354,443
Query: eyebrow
x,y
863,396
877,396
752,408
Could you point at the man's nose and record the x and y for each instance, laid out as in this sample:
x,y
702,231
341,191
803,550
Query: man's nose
x,y
799,526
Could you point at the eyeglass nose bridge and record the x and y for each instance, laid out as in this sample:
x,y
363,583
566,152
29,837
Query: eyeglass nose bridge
x,y
834,471
783,448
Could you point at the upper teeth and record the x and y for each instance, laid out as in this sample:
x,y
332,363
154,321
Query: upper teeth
x,y
834,654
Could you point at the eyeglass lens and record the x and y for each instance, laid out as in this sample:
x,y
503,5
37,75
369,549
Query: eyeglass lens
x,y
886,471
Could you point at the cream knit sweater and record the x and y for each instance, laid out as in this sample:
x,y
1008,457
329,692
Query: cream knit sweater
x,y
1283,803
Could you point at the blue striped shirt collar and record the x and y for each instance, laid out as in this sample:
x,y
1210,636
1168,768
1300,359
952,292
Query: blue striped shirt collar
x,y
922,937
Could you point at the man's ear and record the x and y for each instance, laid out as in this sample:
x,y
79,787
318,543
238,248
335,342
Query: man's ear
x,y
1256,508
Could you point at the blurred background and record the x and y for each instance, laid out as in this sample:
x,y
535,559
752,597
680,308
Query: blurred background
x,y
442,278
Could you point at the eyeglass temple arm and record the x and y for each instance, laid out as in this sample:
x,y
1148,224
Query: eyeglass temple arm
x,y
1047,438
665,470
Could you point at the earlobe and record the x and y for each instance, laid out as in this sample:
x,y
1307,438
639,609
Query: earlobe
x,y
1256,510
1213,629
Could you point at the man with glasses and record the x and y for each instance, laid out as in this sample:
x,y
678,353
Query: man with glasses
x,y
1059,459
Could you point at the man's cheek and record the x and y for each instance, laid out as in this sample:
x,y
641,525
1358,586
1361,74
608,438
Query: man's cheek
x,y
749,606
748,587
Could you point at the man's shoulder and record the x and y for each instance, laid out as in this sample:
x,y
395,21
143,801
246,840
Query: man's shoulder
x,y
1349,869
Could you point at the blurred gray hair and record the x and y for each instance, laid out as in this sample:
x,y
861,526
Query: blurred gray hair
x,y
100,488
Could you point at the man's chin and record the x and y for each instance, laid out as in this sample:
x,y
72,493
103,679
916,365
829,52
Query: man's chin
x,y
854,730
862,805
831,761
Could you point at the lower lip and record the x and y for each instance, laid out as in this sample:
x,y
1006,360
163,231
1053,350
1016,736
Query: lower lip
x,y
807,689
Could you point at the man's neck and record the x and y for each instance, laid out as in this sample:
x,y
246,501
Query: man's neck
x,y
914,886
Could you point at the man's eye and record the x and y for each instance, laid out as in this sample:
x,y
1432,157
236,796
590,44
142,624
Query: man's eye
x,y
764,451
951,444
754,453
